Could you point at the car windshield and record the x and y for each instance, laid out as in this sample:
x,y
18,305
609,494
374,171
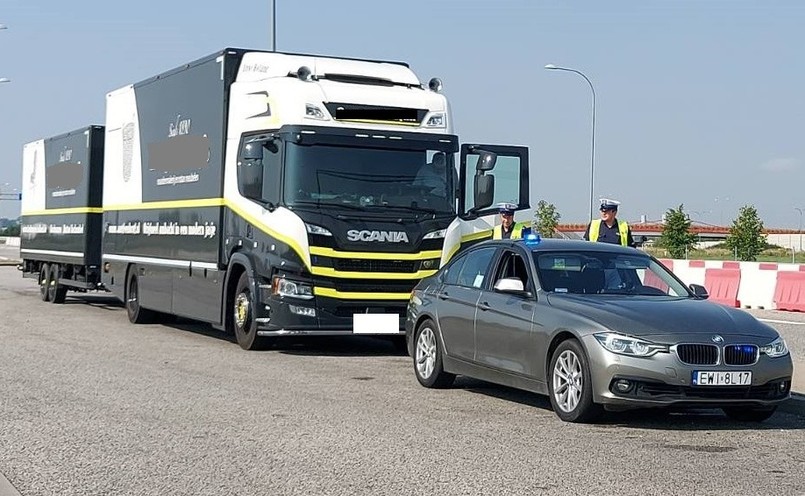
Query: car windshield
x,y
600,272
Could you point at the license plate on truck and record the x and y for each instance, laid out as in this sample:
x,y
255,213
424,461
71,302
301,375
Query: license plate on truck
x,y
714,378
375,323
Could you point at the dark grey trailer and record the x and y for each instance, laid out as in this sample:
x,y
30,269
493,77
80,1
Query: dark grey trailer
x,y
61,227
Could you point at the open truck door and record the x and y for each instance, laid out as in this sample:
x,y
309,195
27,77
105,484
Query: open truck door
x,y
491,174
488,175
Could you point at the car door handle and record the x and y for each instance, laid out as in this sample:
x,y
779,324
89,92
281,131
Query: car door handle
x,y
485,305
444,296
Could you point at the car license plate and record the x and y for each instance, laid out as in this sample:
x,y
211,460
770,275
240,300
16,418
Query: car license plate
x,y
708,378
376,323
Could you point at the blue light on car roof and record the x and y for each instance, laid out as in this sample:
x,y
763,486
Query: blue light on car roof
x,y
532,239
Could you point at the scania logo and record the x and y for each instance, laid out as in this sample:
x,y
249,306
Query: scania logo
x,y
717,339
382,236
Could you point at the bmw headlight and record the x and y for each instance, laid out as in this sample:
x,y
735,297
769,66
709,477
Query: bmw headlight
x,y
775,349
292,289
624,345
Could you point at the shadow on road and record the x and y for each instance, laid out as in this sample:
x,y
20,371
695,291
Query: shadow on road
x,y
660,419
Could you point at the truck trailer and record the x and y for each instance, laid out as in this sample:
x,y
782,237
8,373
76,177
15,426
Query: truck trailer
x,y
273,194
61,225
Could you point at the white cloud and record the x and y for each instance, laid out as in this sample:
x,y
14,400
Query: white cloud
x,y
780,165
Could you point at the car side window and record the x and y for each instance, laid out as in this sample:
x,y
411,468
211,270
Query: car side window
x,y
511,264
452,270
474,271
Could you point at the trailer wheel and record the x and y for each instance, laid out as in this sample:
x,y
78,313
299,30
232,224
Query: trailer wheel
x,y
56,292
44,277
137,314
242,316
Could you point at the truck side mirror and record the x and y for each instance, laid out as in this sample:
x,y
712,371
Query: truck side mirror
x,y
253,151
484,191
486,161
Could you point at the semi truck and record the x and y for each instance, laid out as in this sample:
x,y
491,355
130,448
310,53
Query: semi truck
x,y
273,194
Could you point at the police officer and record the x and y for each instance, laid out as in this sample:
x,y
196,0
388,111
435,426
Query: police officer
x,y
508,229
609,229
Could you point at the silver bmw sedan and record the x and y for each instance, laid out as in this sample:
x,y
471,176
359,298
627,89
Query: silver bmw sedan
x,y
594,326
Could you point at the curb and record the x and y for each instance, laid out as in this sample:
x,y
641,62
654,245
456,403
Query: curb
x,y
9,262
795,405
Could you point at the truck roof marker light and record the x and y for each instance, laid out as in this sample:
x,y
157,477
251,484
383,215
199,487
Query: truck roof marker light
x,y
435,85
304,73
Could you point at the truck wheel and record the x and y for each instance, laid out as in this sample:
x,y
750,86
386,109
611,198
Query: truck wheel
x,y
137,314
56,292
242,315
44,276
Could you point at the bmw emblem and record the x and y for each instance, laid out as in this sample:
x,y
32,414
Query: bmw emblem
x,y
717,339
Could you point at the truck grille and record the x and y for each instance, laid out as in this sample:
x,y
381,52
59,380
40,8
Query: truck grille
x,y
697,354
357,265
740,354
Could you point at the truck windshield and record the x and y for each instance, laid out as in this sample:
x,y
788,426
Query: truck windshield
x,y
332,176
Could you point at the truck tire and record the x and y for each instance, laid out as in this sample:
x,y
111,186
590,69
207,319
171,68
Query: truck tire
x,y
44,281
242,315
137,314
56,292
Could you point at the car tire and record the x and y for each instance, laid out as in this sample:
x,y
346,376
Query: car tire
x,y
743,414
569,384
428,362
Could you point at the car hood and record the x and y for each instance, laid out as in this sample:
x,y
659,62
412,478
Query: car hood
x,y
665,319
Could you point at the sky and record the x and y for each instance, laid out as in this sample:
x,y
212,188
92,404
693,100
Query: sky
x,y
698,103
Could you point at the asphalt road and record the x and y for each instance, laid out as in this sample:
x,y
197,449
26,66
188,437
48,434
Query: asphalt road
x,y
92,405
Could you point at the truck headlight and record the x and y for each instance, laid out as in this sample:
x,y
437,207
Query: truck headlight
x,y
314,229
624,345
437,119
315,112
436,234
292,289
775,349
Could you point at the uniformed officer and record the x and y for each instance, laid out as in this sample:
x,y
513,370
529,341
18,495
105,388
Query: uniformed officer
x,y
609,229
508,229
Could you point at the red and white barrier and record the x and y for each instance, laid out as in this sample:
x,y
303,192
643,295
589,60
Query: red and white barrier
x,y
766,285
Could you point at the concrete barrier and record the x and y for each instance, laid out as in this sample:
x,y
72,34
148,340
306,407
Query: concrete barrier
x,y
10,240
757,282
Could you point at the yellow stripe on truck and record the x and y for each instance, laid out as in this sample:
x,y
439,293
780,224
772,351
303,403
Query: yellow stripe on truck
x,y
332,293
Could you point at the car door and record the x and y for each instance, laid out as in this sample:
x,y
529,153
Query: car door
x,y
458,298
505,336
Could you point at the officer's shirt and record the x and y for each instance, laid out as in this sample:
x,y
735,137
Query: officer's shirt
x,y
610,234
504,234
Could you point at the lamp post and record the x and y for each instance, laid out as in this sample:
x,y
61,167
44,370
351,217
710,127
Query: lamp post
x,y
273,25
2,79
799,230
552,67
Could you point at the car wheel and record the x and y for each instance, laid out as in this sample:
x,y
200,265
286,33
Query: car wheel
x,y
44,282
569,385
750,414
428,358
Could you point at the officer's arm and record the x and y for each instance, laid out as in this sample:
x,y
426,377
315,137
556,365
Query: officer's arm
x,y
629,238
587,233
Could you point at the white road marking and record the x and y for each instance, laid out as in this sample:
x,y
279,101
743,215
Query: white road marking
x,y
782,321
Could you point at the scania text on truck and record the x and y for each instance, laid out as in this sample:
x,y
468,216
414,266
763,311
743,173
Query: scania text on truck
x,y
274,194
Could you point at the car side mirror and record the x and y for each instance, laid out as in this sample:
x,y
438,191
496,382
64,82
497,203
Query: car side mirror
x,y
510,285
699,291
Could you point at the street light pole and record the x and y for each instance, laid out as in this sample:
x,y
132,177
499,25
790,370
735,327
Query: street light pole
x,y
2,79
552,67
799,231
273,25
